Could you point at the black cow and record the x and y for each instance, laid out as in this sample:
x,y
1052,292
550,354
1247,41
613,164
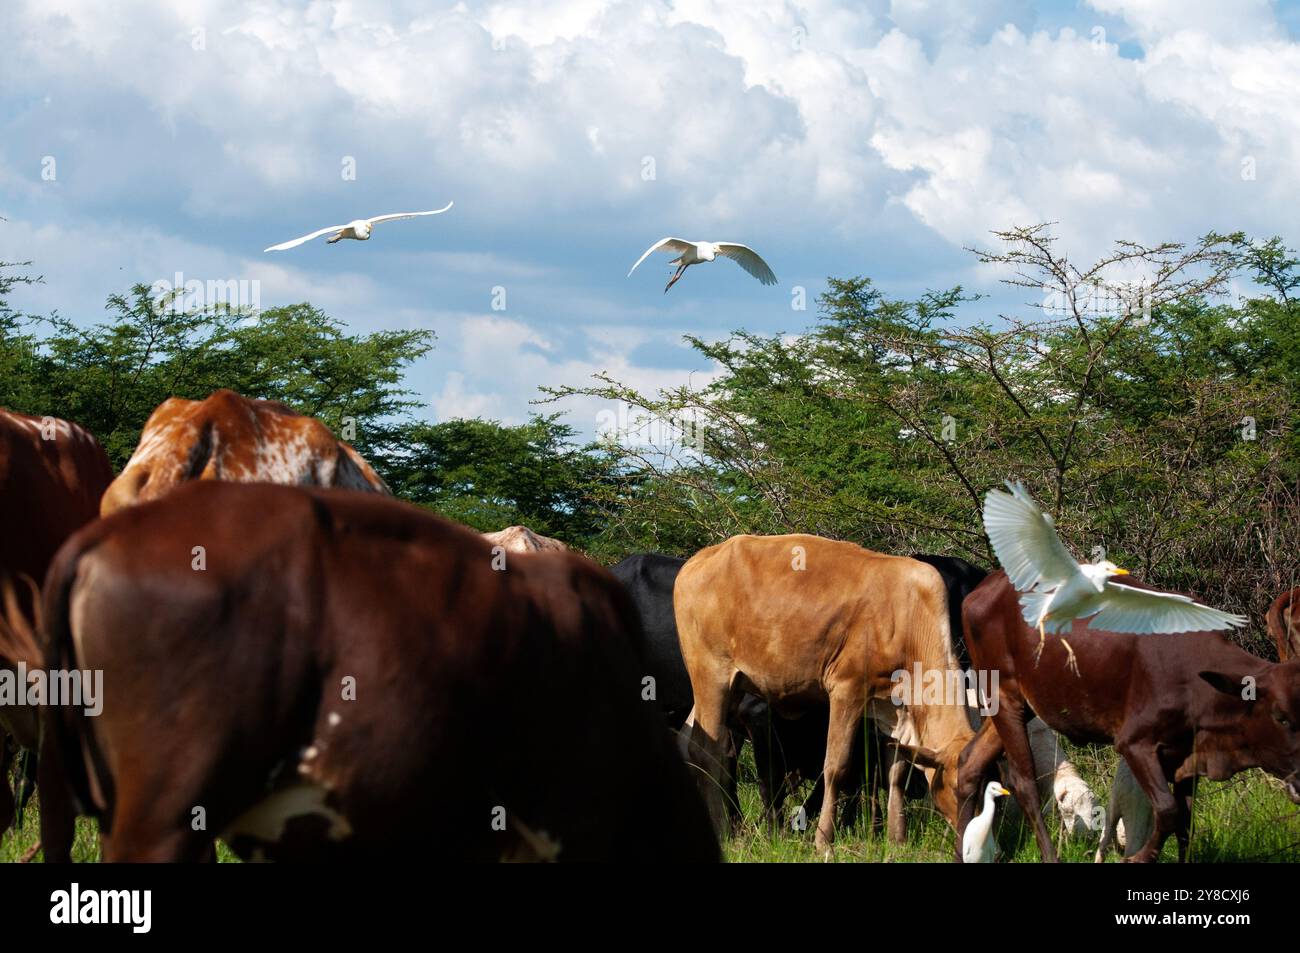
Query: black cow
x,y
960,579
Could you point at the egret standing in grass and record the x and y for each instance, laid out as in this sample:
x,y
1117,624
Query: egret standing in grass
x,y
1056,589
692,253
977,842
358,229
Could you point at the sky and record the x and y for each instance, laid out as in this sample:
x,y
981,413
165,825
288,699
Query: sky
x,y
872,137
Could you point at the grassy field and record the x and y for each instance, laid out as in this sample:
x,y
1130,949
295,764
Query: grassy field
x,y
1246,819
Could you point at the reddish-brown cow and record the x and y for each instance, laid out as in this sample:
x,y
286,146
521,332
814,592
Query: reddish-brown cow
x,y
52,474
229,437
1175,706
347,676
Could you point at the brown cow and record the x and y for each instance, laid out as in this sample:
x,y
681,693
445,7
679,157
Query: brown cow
x,y
1172,705
52,474
1284,626
346,676
801,619
521,539
229,437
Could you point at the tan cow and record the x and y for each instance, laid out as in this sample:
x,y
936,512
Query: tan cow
x,y
234,438
521,539
799,619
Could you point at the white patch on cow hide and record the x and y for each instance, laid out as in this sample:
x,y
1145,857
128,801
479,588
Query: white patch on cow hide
x,y
287,458
266,821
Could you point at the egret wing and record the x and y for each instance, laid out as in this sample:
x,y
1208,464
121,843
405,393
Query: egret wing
x,y
398,215
1142,611
306,238
673,244
748,259
1025,540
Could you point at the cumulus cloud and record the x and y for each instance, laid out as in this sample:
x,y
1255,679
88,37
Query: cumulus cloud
x,y
874,137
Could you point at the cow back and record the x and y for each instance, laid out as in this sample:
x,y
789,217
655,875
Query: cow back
x,y
379,655
230,437
52,475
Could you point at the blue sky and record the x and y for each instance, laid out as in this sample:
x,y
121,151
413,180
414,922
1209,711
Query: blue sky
x,y
876,137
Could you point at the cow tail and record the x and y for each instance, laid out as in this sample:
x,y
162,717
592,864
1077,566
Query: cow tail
x,y
1278,617
18,640
67,727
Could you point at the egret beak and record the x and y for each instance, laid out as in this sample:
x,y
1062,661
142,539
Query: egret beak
x,y
1003,791
1120,572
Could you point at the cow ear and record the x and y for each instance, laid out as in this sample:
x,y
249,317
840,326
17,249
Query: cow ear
x,y
925,757
1238,686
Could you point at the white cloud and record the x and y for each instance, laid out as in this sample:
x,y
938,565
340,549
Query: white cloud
x,y
839,138
500,363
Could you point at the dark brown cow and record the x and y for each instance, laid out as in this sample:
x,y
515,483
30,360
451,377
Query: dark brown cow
x,y
1284,624
802,621
1171,704
339,675
52,474
229,437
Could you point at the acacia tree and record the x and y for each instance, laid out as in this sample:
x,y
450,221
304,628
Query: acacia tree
x,y
109,376
1145,413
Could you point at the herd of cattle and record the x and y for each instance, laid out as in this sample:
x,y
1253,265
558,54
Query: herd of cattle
x,y
299,664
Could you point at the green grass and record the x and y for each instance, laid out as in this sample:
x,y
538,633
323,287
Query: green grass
x,y
85,844
1246,819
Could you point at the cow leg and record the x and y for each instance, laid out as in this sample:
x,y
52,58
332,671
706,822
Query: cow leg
x,y
896,803
734,742
975,766
1185,795
1011,721
1109,828
757,719
149,845
846,715
58,819
24,782
6,795
151,826
873,782
812,804
857,777
1150,776
706,743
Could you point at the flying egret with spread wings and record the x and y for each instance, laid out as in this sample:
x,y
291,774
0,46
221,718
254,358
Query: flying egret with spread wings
x,y
692,253
1055,589
358,229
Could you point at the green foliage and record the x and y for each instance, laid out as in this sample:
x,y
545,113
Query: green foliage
x,y
1158,426
110,376
1154,422
489,475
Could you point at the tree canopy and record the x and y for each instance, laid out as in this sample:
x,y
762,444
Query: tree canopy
x,y
1149,408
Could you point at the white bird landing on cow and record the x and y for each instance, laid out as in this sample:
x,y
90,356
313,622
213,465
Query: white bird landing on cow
x,y
1056,589
692,253
358,229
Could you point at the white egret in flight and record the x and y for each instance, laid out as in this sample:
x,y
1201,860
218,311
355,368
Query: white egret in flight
x,y
692,253
1056,589
358,229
